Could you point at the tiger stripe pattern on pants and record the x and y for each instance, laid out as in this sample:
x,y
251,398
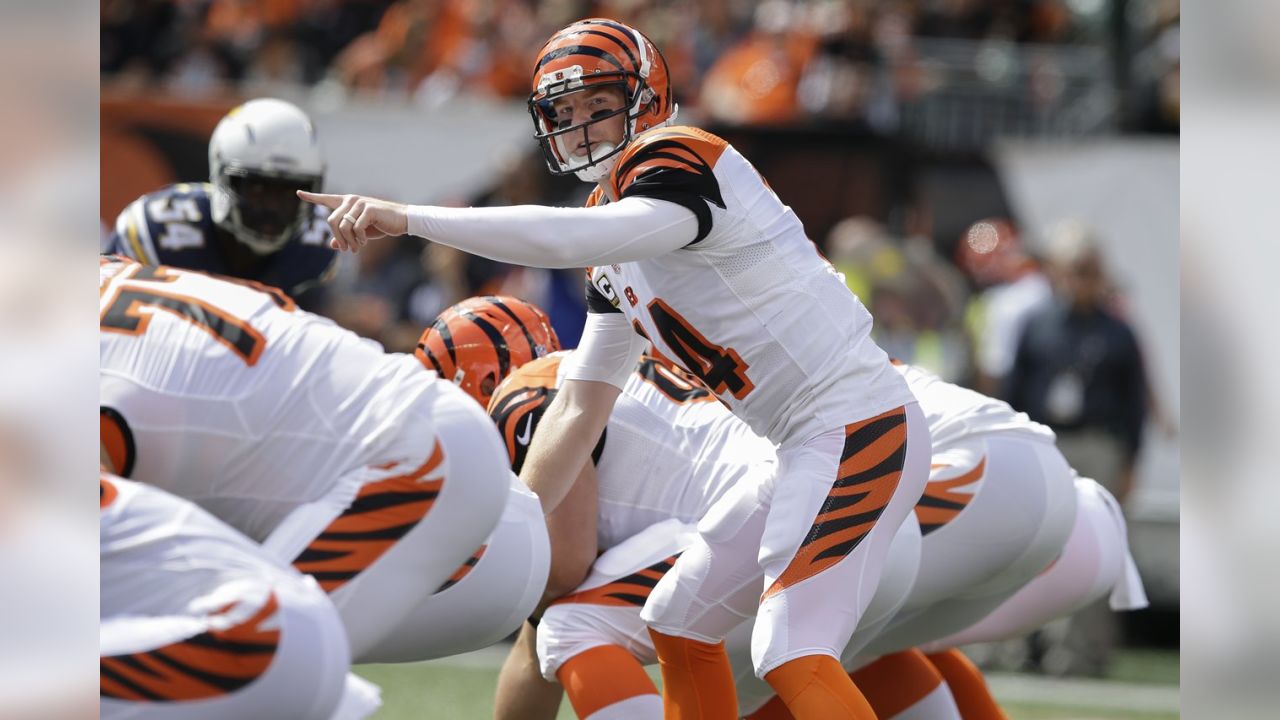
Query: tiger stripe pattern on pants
x,y
207,665
870,466
382,512
944,499
632,590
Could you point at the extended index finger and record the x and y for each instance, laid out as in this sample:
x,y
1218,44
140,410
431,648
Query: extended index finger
x,y
330,201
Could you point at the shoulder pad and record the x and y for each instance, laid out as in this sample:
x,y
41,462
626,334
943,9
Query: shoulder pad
x,y
519,402
679,147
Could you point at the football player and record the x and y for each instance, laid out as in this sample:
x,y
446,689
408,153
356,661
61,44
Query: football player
x,y
475,344
1094,563
668,454
351,464
692,250
196,622
247,221
998,509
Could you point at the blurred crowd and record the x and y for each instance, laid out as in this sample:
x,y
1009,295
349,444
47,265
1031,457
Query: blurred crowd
x,y
772,62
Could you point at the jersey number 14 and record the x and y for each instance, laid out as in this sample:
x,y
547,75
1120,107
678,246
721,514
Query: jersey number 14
x,y
721,368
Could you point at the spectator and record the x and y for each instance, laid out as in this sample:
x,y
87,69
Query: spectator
x,y
1012,289
915,297
1078,368
756,81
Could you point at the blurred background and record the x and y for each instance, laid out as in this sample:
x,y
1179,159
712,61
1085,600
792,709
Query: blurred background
x,y
969,165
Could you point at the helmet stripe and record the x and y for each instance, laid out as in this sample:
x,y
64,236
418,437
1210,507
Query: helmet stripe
x,y
643,65
578,50
499,344
523,328
630,55
431,357
446,337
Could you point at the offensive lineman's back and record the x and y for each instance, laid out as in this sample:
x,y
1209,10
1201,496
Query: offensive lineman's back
x,y
210,385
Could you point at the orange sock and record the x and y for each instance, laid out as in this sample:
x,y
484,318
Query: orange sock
x,y
697,681
815,686
896,682
603,676
967,686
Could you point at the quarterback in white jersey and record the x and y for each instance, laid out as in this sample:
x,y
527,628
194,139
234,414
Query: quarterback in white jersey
x,y
351,464
669,453
691,250
196,622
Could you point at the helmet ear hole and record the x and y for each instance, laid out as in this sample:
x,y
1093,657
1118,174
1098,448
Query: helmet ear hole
x,y
488,384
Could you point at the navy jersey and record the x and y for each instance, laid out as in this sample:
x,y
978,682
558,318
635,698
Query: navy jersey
x,y
174,226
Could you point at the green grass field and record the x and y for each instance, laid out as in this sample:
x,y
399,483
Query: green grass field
x,y
450,690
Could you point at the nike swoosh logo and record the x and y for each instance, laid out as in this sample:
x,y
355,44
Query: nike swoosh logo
x,y
523,438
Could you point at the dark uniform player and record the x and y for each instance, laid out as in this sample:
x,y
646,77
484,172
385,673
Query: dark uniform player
x,y
247,222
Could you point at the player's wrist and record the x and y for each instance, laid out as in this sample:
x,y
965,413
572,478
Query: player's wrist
x,y
418,220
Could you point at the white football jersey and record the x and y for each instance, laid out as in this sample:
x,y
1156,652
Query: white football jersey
x,y
158,551
750,307
670,449
956,413
224,393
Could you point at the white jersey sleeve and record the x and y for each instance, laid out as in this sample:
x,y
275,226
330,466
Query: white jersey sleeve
x,y
551,237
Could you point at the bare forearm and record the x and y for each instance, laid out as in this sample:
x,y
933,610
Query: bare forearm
x,y
567,435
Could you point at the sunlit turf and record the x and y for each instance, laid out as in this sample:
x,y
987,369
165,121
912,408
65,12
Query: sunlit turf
x,y
439,690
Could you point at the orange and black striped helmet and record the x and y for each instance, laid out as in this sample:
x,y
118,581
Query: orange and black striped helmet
x,y
481,340
591,54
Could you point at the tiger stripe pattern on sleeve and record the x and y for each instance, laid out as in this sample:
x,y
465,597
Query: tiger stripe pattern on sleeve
x,y
675,164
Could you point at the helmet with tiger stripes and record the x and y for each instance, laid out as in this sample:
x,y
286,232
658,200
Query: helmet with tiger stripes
x,y
480,341
588,55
